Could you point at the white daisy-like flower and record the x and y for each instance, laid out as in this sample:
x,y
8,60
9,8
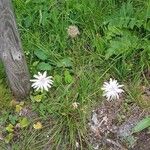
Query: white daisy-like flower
x,y
112,90
41,81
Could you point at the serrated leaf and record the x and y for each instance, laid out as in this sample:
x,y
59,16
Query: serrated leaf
x,y
10,128
9,137
68,77
58,79
44,66
24,122
38,98
18,108
143,124
40,54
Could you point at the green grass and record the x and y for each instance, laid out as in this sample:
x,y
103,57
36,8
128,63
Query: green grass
x,y
113,42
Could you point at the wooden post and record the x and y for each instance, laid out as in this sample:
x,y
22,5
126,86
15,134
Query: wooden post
x,y
11,52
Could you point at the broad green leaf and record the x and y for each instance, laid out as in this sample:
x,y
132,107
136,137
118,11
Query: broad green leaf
x,y
35,63
143,124
44,66
27,1
24,122
13,119
66,62
40,54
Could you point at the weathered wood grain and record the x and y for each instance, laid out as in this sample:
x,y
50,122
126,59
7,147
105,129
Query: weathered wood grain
x,y
11,52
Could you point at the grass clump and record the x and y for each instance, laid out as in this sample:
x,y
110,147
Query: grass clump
x,y
5,97
111,40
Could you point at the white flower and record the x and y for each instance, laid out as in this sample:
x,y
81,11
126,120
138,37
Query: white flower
x,y
41,81
73,31
112,89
